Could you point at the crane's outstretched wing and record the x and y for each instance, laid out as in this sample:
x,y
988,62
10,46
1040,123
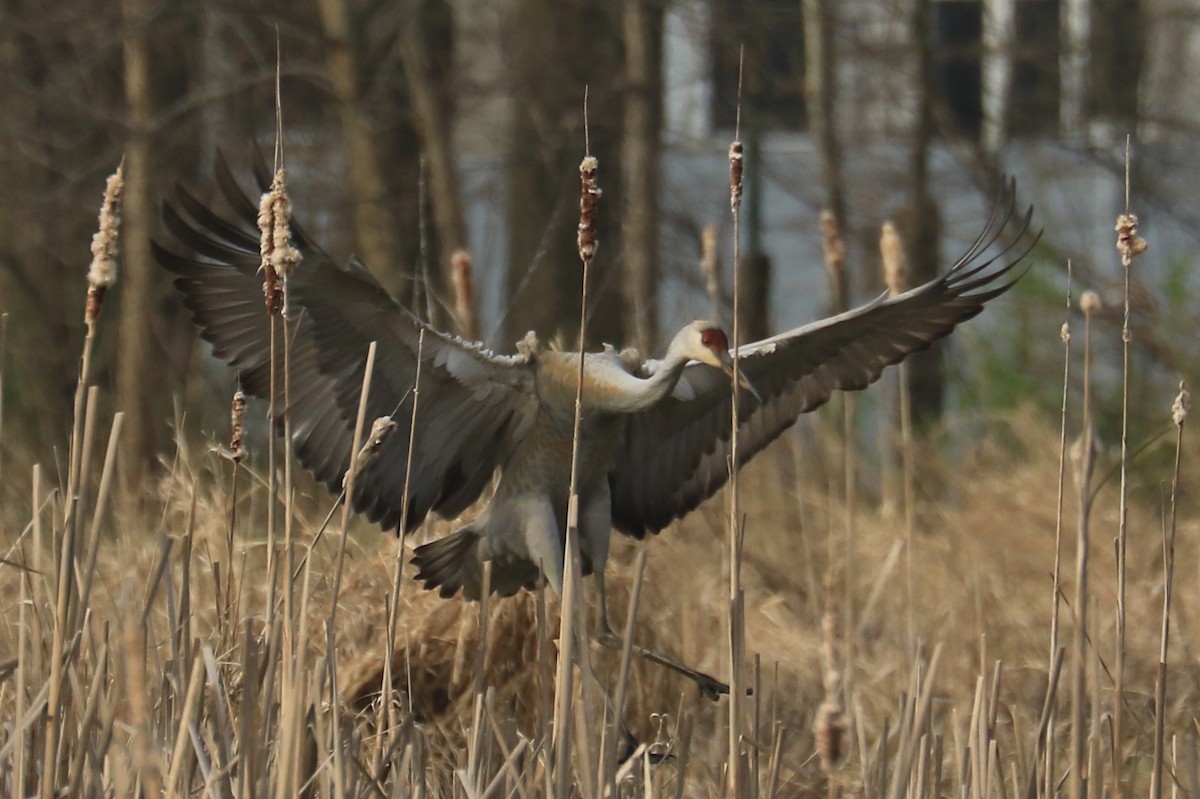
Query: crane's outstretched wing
x,y
675,455
472,403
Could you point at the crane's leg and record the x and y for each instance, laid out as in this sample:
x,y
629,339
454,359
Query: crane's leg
x,y
709,686
542,543
596,524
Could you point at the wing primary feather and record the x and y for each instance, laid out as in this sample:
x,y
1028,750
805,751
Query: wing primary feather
x,y
674,454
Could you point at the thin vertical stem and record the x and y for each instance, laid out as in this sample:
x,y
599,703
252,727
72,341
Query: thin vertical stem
x,y
398,572
588,208
1180,411
736,644
1056,598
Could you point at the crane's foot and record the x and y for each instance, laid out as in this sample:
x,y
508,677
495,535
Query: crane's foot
x,y
710,687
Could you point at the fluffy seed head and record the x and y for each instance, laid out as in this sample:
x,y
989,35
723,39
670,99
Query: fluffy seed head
x,y
1089,302
1129,244
279,256
102,273
1183,402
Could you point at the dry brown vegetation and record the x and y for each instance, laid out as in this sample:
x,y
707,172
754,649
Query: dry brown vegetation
x,y
983,556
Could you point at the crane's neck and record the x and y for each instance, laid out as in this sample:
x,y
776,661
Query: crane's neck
x,y
649,392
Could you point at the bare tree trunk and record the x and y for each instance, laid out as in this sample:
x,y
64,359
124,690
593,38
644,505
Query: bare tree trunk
x,y
923,234
434,127
30,283
642,23
374,224
821,98
555,50
1076,21
999,32
135,359
754,286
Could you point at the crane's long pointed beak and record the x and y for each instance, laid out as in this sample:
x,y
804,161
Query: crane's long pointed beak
x,y
743,381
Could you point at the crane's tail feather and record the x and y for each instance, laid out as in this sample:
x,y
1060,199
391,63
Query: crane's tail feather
x,y
455,562
450,563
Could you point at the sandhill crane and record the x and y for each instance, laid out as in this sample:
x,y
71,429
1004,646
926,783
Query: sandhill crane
x,y
655,438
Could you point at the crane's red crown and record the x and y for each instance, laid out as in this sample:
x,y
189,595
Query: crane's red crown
x,y
714,338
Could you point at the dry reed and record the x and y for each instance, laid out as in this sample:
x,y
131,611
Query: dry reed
x,y
737,646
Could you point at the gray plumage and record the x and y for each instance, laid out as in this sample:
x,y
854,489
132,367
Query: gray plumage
x,y
656,434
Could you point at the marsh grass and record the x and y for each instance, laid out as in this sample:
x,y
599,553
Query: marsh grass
x,y
159,689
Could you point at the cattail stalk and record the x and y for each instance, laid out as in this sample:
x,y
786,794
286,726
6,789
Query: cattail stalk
x,y
830,723
737,166
1084,455
102,274
587,241
834,252
1179,414
895,277
1056,586
1129,246
380,430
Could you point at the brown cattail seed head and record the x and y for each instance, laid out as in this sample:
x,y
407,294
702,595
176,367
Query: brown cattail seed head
x,y
1183,402
892,253
1129,244
464,293
830,726
1064,332
589,205
279,256
831,242
709,266
1089,302
102,273
737,164
237,426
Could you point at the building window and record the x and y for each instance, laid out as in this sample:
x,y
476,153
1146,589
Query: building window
x,y
1033,103
1026,52
1118,48
773,35
957,27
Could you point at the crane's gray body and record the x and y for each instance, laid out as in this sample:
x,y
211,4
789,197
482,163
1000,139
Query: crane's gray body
x,y
655,437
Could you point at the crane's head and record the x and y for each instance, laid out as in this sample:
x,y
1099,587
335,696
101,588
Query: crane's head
x,y
707,343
